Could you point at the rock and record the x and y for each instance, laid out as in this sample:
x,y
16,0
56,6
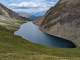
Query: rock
x,y
63,21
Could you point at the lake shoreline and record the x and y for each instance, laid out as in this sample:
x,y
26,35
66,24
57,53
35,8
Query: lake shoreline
x,y
41,37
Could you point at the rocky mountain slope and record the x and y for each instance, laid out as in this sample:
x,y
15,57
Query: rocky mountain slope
x,y
63,20
9,13
9,19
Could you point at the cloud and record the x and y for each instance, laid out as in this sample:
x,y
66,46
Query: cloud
x,y
25,5
32,6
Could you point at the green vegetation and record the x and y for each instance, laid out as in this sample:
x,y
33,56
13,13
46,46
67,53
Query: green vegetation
x,y
15,48
10,23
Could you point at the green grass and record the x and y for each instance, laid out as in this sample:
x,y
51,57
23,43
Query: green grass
x,y
15,48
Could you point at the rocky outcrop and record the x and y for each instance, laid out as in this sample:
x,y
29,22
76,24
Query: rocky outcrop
x,y
63,20
9,19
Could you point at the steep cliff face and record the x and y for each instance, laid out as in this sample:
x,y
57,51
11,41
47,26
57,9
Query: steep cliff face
x,y
63,20
9,19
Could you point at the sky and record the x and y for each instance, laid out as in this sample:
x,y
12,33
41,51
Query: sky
x,y
29,6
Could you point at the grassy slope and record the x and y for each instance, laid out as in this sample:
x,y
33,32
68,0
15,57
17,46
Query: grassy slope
x,y
10,23
16,48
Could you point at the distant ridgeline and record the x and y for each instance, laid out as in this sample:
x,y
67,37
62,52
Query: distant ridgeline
x,y
63,20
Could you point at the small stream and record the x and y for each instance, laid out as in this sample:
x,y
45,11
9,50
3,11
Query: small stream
x,y
31,32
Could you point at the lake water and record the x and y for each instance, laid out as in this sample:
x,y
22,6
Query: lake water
x,y
31,32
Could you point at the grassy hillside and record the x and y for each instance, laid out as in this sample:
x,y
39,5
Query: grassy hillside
x,y
15,48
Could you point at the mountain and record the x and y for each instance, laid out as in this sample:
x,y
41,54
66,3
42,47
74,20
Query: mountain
x,y
15,48
37,15
63,21
24,14
9,13
9,19
31,16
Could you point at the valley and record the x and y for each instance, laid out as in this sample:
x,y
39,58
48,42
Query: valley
x,y
13,47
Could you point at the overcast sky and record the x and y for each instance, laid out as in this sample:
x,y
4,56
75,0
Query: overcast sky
x,y
29,5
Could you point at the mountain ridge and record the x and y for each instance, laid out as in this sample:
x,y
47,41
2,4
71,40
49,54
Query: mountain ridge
x,y
63,21
9,13
9,19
